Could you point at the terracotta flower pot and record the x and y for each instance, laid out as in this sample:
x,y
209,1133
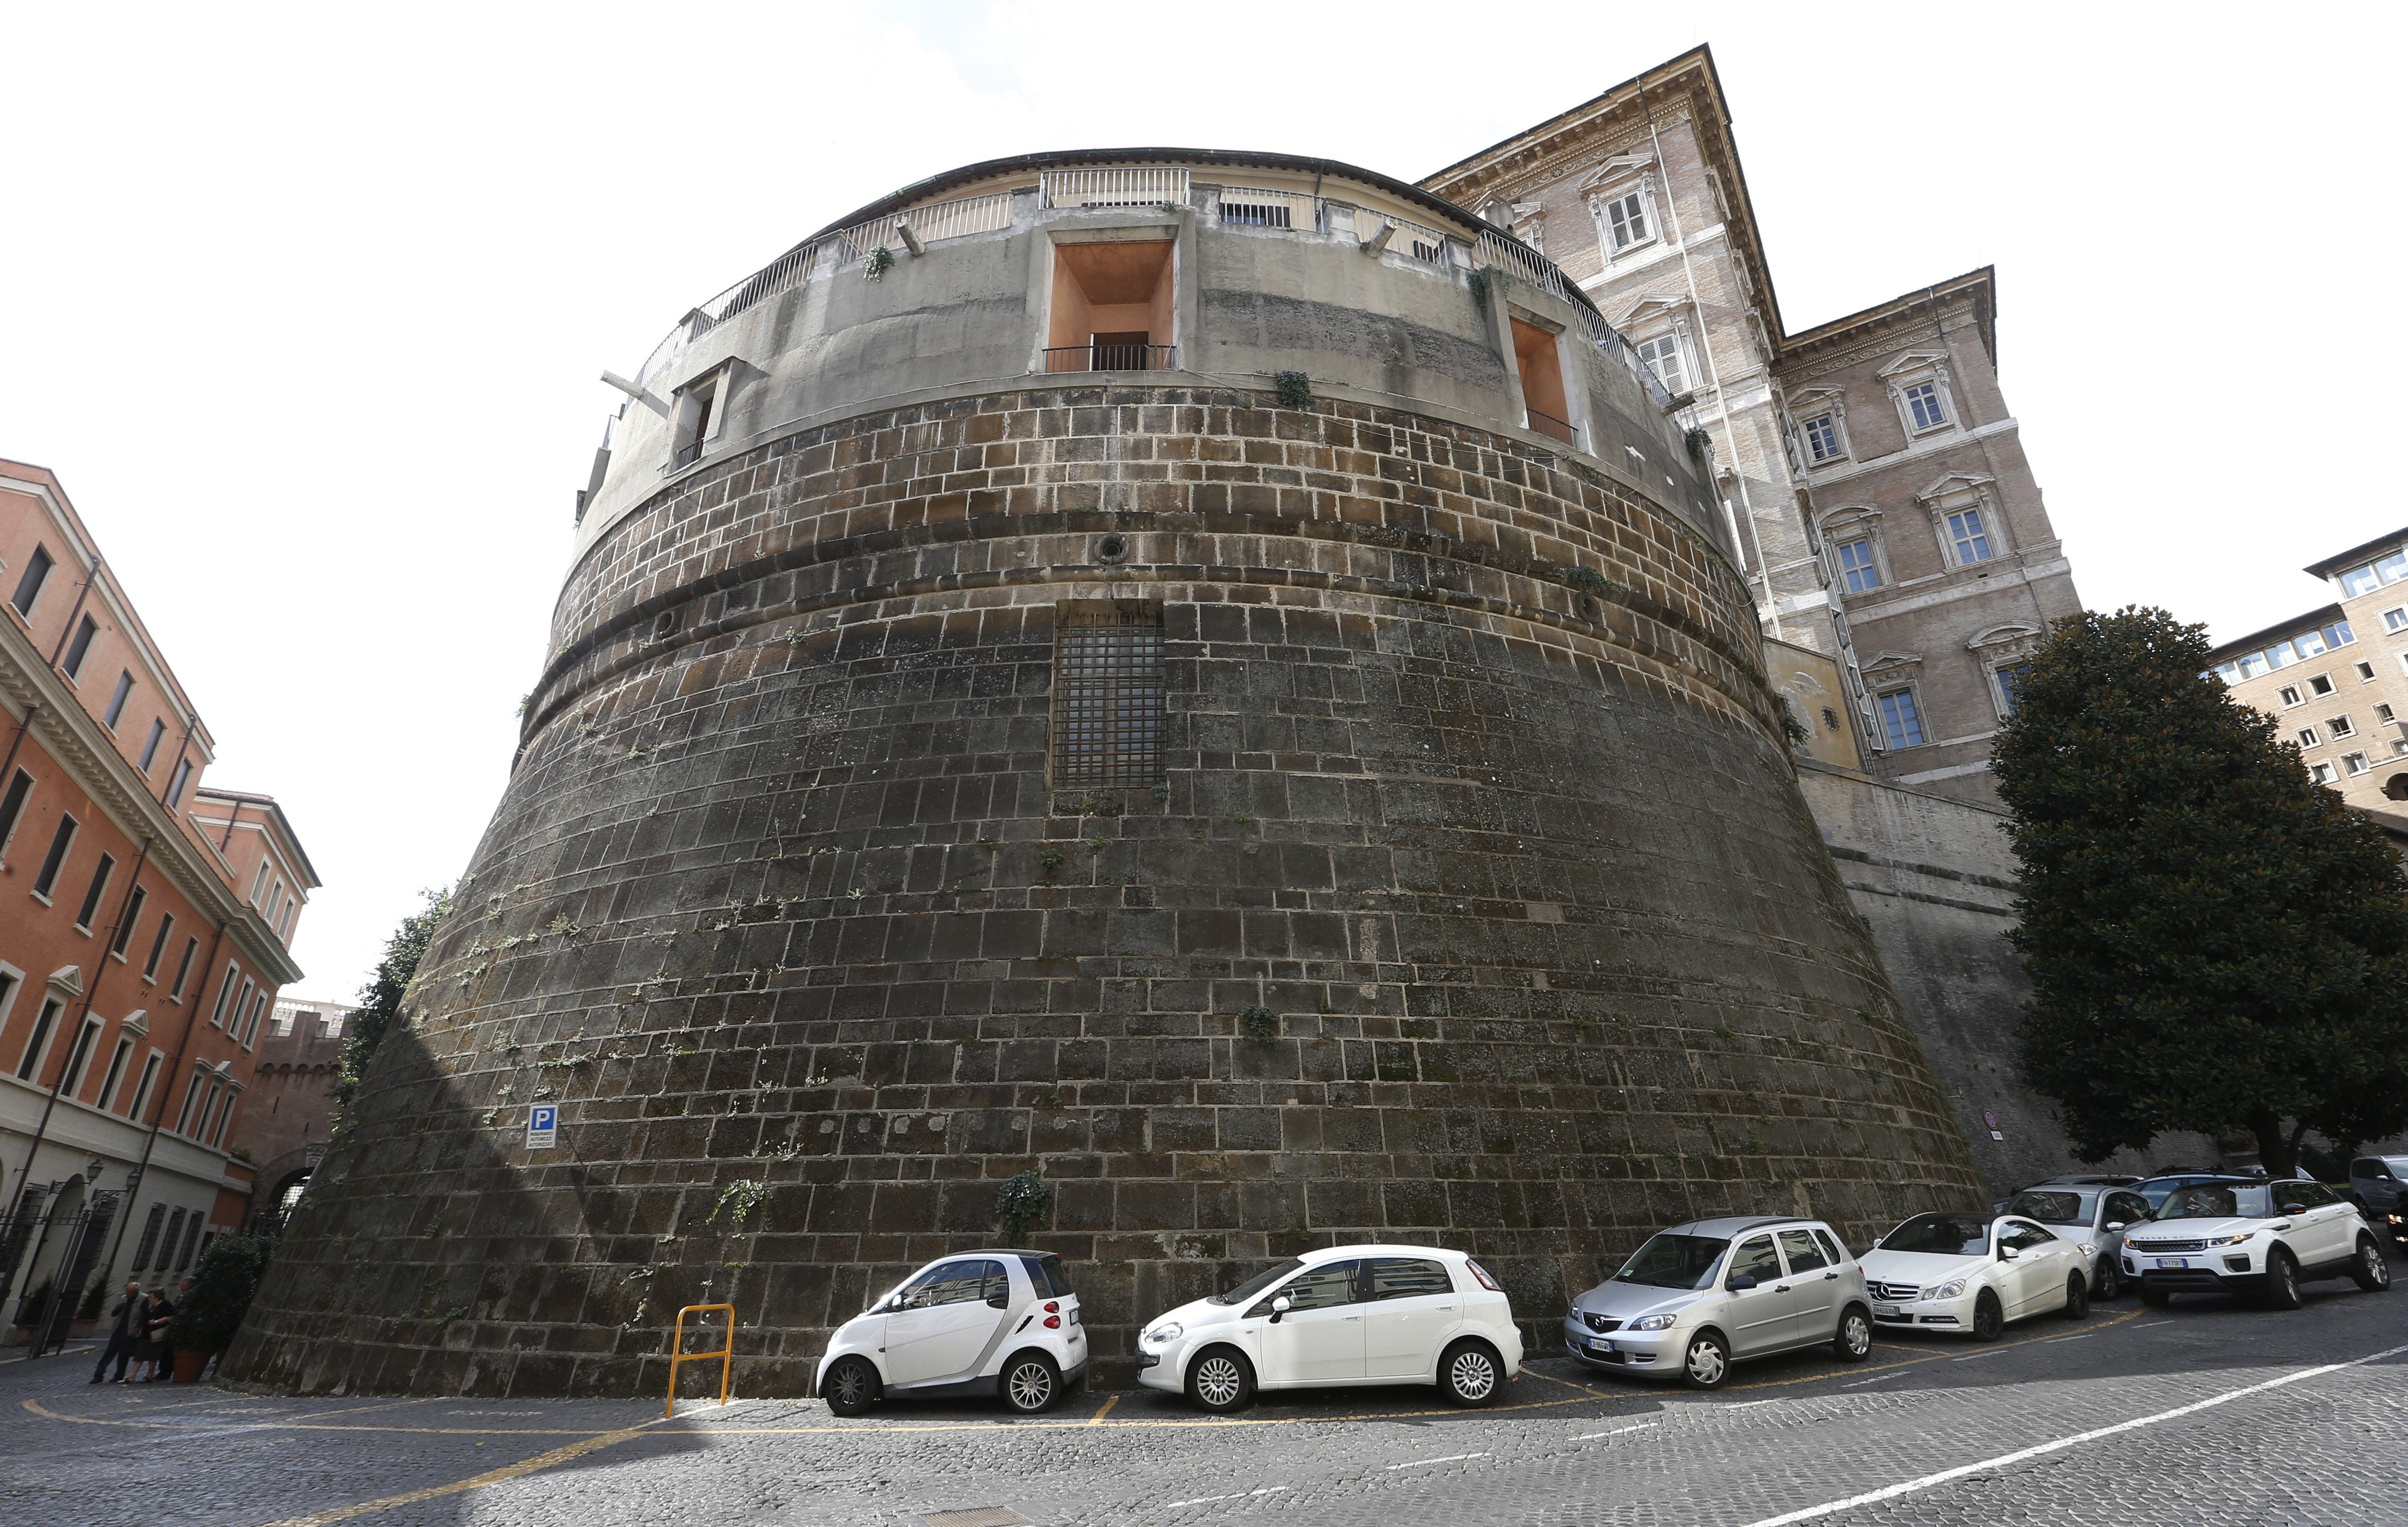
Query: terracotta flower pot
x,y
189,1365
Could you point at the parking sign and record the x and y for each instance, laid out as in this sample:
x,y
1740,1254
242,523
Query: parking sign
x,y
543,1126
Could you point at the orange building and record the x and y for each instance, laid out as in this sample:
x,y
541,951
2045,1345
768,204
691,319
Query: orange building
x,y
145,920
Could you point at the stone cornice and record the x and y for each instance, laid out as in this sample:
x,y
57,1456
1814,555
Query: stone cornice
x,y
70,734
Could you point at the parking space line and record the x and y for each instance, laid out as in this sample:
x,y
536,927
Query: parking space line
x,y
1425,1462
1101,1411
1618,1431
1911,1486
491,1477
1236,1495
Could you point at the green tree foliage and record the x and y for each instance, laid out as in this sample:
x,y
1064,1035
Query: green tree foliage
x,y
381,998
222,1285
2215,942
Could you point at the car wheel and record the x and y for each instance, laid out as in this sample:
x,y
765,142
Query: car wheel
x,y
1707,1363
2282,1279
2159,1298
2109,1284
2372,1273
1220,1380
1854,1341
2077,1298
1471,1373
1990,1318
850,1387
1030,1383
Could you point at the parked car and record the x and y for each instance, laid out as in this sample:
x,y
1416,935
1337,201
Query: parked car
x,y
2249,1237
1970,1274
2157,1188
1701,1296
1342,1315
2380,1184
2095,1218
998,1322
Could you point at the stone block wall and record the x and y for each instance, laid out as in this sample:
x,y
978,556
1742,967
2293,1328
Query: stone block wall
x,y
1470,778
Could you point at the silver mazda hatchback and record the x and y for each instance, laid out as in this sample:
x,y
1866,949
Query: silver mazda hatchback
x,y
1701,1296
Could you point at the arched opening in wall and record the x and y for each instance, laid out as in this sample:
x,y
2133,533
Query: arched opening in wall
x,y
1112,308
2397,786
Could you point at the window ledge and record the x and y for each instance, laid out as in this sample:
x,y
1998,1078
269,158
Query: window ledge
x,y
40,897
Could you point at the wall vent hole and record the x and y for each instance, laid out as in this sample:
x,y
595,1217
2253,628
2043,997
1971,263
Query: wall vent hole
x,y
1111,547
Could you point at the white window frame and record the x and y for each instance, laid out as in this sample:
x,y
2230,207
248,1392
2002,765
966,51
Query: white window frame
x,y
1914,702
2322,774
1956,494
2325,679
1860,536
48,1039
80,1066
1615,183
1834,426
1678,334
121,1067
2289,695
151,1067
2354,765
2340,726
2310,738
1919,368
2396,618
2365,672
16,979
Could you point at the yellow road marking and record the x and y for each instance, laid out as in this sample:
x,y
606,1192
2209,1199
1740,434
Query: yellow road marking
x,y
1097,1418
263,1425
491,1476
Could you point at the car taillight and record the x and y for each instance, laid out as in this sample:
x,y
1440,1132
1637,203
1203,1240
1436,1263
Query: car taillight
x,y
1052,1322
1054,1307
1482,1273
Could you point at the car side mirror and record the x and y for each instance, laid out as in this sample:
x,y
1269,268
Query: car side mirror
x,y
1280,1306
2009,1254
1741,1282
2295,1208
2114,1224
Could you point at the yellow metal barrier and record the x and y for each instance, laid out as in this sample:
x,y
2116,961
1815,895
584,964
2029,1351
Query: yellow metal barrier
x,y
678,1354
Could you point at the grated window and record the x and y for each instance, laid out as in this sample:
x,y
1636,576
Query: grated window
x,y
1108,695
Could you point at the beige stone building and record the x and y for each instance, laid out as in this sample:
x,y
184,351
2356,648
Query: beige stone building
x,y
2336,678
1870,465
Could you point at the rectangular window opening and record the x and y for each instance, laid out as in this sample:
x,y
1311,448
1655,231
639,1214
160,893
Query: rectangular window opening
x,y
2291,696
151,749
1663,357
80,648
1112,308
2353,762
1535,351
1626,221
1971,539
1108,695
12,806
56,858
1900,720
30,1062
117,701
149,1079
29,586
90,909
125,928
116,1073
158,945
183,968
1857,572
1823,438
1923,401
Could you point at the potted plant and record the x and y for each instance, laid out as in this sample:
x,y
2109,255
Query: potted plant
x,y
222,1285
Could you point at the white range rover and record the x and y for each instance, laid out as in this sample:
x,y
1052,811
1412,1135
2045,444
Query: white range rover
x,y
2262,1238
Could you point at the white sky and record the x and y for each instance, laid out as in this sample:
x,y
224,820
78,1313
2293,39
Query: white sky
x,y
306,304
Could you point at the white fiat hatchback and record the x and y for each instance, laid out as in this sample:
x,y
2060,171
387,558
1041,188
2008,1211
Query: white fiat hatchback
x,y
1343,1314
1969,1275
980,1322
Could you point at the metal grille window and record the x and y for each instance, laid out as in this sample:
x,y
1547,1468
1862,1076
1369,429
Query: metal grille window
x,y
1108,695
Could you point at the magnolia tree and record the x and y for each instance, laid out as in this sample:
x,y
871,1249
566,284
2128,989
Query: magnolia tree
x,y
2215,942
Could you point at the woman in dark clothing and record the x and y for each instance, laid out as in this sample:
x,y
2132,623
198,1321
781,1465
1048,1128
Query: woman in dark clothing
x,y
154,1321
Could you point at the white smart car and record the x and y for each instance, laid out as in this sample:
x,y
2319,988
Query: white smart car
x,y
1969,1275
975,1323
1343,1314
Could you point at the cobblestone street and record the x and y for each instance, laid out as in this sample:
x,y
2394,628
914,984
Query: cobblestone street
x,y
2212,1412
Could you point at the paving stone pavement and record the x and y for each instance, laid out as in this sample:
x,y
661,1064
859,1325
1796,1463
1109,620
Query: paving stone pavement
x,y
1790,1435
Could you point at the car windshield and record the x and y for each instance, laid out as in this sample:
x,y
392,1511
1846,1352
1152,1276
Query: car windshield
x,y
2219,1200
1940,1235
2053,1205
1257,1284
1674,1262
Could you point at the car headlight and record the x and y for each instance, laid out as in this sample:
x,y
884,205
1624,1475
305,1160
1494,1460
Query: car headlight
x,y
1953,1289
1166,1331
2232,1240
1653,1322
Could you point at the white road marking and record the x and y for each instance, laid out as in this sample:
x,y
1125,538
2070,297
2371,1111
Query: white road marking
x,y
2039,1449
1745,1405
1451,1458
1619,1431
2055,1340
1240,1495
1877,1378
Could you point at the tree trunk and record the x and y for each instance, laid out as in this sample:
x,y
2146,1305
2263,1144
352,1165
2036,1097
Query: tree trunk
x,y
2278,1152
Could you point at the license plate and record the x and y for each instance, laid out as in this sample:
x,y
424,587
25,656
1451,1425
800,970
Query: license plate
x,y
1886,1310
2173,1261
1597,1346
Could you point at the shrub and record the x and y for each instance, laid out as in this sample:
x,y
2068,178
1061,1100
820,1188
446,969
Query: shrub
x,y
1259,1022
1023,1200
1295,389
222,1285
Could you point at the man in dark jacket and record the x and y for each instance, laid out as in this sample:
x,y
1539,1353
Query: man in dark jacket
x,y
125,1333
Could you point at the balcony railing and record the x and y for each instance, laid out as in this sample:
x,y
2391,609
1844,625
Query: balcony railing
x,y
1111,358
685,455
1414,240
1250,206
1546,423
941,219
1118,186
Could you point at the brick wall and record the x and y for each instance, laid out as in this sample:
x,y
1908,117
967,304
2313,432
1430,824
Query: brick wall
x,y
779,893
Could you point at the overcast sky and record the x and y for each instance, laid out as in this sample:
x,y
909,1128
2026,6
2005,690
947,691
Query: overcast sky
x,y
306,306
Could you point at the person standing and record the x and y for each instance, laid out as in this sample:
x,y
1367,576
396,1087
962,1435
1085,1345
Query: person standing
x,y
125,1338
156,1316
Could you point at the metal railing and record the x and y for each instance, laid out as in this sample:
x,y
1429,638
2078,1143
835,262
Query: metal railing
x,y
789,270
928,224
1116,186
1111,358
1547,423
1414,240
1251,206
685,455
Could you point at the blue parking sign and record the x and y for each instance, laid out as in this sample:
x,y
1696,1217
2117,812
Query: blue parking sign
x,y
543,1126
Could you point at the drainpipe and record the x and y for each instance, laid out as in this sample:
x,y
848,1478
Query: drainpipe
x,y
1713,372
175,1069
91,992
83,591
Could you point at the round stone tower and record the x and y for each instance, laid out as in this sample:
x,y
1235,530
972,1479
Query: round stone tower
x,y
1215,678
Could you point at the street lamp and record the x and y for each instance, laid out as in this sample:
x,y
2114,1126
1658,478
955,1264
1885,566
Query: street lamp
x,y
91,1172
